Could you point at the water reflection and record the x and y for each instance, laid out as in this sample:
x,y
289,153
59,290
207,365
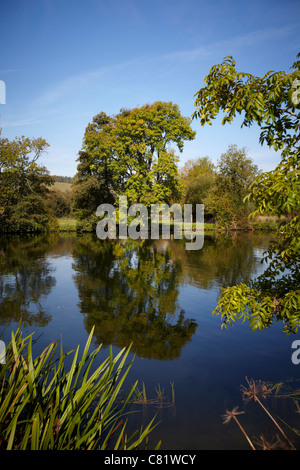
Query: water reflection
x,y
129,292
26,279
134,291
226,259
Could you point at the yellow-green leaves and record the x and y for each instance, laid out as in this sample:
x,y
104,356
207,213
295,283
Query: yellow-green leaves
x,y
272,103
131,154
23,186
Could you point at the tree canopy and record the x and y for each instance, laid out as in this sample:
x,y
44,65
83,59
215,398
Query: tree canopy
x,y
132,154
23,185
222,187
197,178
272,103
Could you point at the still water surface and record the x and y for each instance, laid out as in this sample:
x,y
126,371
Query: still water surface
x,y
159,297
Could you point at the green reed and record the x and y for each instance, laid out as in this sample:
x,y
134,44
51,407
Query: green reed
x,y
43,406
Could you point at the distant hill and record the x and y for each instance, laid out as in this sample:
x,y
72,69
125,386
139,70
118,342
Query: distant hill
x,y
63,179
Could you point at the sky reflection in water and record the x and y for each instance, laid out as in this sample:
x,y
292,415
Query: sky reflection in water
x,y
160,297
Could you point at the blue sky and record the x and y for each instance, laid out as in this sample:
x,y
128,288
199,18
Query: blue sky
x,y
64,61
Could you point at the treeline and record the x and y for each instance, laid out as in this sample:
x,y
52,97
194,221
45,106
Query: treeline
x,y
221,187
29,202
60,201
63,179
133,154
24,186
136,153
129,154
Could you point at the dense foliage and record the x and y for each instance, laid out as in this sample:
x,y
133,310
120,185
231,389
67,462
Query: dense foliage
x,y
24,184
60,202
63,179
222,187
131,154
272,103
198,177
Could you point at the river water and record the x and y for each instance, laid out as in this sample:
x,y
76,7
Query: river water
x,y
159,297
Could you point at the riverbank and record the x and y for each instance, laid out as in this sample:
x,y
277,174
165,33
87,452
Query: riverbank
x,y
265,224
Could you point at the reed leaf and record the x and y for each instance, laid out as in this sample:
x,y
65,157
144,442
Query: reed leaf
x,y
44,406
12,435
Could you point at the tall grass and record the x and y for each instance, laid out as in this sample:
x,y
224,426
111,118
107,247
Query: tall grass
x,y
43,406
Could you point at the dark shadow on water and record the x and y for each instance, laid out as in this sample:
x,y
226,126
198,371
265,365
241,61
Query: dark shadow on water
x,y
129,292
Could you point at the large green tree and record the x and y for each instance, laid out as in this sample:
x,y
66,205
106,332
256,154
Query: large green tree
x,y
131,154
24,184
272,102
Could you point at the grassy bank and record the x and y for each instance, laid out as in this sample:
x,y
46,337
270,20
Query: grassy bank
x,y
66,224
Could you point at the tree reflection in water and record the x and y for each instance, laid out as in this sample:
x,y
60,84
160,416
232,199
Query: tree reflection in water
x,y
129,292
26,278
228,258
